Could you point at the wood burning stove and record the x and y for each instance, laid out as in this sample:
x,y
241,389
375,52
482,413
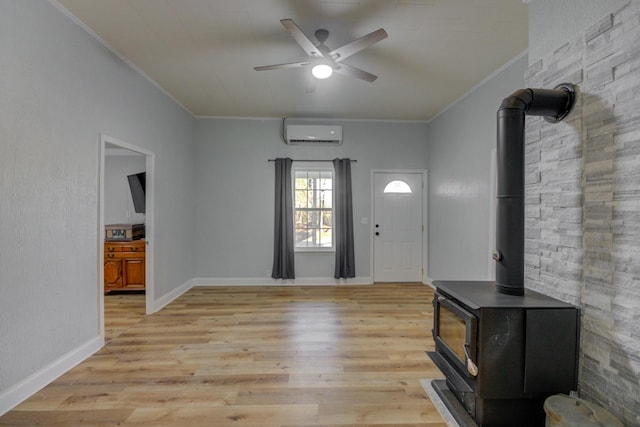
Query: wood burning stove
x,y
501,354
502,348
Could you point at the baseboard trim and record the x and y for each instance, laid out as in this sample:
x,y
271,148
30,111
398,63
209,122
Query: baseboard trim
x,y
168,298
267,281
20,392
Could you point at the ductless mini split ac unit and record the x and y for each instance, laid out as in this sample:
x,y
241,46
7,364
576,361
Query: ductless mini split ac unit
x,y
313,135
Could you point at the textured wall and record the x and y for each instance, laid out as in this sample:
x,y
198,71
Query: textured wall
x,y
583,204
118,203
234,238
59,89
462,143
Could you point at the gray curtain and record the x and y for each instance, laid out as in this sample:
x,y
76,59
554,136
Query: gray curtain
x,y
343,220
283,265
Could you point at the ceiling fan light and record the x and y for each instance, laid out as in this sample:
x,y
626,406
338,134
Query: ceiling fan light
x,y
321,71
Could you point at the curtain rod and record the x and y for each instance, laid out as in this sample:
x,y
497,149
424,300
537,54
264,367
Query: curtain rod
x,y
314,160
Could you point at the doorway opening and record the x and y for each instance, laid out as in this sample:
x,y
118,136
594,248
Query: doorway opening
x,y
111,150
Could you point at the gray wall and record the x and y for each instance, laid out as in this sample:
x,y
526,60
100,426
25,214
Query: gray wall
x,y
461,193
234,206
118,203
583,195
60,89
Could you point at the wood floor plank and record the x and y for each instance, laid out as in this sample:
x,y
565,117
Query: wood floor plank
x,y
327,395
253,356
246,415
62,418
378,414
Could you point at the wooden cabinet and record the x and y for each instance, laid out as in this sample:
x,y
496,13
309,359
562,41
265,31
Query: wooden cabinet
x,y
124,266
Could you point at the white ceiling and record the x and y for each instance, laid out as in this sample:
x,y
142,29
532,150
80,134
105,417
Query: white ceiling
x,y
202,52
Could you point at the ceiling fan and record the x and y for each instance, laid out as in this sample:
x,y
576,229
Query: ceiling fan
x,y
324,61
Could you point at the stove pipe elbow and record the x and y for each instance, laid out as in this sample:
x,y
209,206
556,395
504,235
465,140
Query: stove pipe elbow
x,y
554,104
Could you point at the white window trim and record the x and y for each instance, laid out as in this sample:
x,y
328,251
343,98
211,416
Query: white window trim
x,y
315,166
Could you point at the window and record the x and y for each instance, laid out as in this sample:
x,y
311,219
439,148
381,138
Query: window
x,y
397,187
313,206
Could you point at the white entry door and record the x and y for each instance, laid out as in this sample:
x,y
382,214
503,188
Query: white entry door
x,y
397,227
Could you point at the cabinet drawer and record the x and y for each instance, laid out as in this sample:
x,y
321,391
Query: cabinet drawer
x,y
130,255
123,255
112,248
133,248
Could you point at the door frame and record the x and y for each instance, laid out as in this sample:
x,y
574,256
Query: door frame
x,y
149,221
425,211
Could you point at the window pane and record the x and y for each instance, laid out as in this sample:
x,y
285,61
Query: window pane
x,y
301,219
307,201
301,236
313,208
397,187
327,239
326,199
300,183
327,219
326,183
300,198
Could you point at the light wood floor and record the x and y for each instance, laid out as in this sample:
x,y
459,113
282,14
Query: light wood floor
x,y
253,356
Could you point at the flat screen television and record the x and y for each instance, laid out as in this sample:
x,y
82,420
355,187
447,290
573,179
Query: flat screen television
x,y
137,185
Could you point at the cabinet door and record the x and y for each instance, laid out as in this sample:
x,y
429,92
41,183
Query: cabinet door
x,y
112,274
133,273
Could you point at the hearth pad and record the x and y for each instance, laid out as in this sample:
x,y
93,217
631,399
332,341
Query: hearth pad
x,y
441,406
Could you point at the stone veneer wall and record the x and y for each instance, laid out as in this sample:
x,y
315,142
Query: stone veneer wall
x,y
583,204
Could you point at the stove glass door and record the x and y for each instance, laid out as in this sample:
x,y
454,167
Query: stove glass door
x,y
453,331
455,334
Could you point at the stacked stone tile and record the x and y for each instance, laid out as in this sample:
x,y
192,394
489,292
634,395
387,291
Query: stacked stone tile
x,y
582,206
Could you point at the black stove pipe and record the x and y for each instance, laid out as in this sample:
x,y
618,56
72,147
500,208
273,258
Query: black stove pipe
x,y
554,104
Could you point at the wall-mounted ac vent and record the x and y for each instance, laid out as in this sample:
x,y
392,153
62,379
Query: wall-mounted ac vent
x,y
314,135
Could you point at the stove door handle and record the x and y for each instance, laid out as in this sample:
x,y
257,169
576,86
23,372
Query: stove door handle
x,y
472,368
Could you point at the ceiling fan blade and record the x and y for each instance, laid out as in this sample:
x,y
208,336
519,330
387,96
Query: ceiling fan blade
x,y
283,66
348,70
301,38
357,45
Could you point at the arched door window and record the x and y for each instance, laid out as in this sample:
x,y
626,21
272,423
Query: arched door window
x,y
397,186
